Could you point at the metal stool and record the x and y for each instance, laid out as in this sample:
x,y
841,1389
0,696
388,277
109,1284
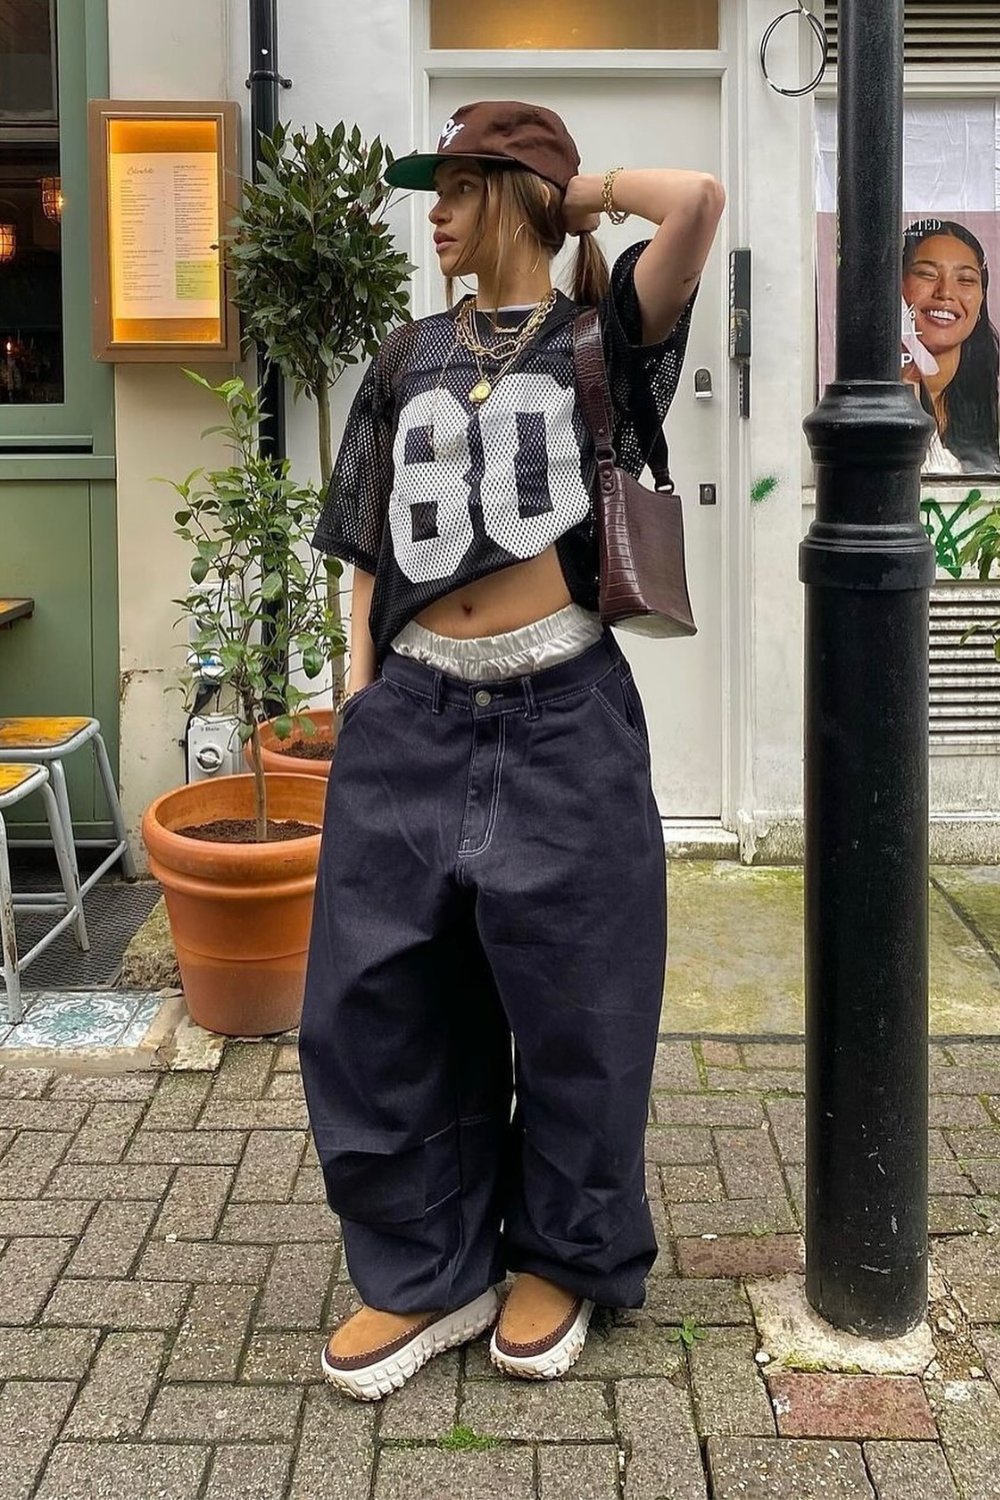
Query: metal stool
x,y
16,783
47,741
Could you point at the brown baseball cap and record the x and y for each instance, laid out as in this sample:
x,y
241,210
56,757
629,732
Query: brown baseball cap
x,y
523,135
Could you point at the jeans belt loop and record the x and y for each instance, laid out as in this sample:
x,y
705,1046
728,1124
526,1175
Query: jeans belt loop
x,y
530,702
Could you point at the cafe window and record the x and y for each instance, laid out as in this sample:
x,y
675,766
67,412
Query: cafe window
x,y
567,25
31,207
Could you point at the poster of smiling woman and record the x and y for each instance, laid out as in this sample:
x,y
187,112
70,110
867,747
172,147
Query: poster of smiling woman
x,y
950,239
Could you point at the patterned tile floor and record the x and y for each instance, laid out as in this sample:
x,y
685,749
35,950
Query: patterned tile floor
x,y
81,1020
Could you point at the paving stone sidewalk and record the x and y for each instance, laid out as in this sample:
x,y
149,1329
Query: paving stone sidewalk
x,y
168,1269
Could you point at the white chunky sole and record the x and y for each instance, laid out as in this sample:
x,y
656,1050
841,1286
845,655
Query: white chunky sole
x,y
382,1377
553,1362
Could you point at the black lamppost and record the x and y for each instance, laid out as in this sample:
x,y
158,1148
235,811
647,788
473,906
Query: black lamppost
x,y
867,566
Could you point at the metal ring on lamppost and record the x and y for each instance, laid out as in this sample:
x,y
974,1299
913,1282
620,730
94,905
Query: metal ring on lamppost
x,y
818,31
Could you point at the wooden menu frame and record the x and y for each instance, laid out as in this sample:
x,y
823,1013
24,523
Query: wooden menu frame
x,y
163,177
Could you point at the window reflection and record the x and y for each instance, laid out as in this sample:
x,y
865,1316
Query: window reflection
x,y
31,204
27,60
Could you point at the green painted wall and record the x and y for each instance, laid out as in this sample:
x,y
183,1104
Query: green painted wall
x,y
58,532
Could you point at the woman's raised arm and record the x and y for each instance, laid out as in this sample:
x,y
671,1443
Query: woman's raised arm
x,y
687,207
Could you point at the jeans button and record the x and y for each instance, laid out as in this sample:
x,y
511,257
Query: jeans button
x,y
483,697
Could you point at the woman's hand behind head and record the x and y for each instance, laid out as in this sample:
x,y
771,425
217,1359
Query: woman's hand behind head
x,y
579,214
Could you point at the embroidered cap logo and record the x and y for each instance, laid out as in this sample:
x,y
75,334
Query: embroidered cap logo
x,y
449,133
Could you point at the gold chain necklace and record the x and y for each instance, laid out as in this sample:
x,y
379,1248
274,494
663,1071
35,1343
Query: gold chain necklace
x,y
502,352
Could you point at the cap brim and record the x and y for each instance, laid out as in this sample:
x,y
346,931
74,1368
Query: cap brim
x,y
417,170
414,171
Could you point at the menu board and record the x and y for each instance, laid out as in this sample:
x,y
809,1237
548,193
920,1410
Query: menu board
x,y
164,207
166,185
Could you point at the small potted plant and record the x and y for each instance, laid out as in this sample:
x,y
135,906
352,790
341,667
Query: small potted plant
x,y
318,282
237,856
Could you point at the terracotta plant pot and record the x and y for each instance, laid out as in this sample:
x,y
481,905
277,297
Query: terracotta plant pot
x,y
299,765
239,913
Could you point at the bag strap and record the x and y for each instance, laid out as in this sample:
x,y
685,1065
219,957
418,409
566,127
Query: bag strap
x,y
595,399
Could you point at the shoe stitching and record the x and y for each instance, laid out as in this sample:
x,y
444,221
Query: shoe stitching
x,y
542,1345
373,1356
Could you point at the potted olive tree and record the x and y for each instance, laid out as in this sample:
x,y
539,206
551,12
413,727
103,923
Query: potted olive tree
x,y
237,856
318,281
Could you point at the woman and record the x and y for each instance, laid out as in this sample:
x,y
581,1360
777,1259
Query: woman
x,y
945,282
492,858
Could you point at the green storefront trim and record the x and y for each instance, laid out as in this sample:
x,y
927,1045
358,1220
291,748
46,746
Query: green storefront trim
x,y
58,522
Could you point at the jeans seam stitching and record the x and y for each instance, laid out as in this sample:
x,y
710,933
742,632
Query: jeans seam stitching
x,y
613,714
463,853
492,815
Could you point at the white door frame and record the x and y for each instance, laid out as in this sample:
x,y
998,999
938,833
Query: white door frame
x,y
736,677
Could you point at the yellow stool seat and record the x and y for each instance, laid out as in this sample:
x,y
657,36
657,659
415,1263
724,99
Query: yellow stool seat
x,y
42,732
14,776
48,740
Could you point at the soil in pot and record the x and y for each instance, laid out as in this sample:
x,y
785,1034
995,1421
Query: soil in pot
x,y
244,831
303,755
303,749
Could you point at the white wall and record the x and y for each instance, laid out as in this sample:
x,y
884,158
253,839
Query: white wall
x,y
157,52
354,63
351,63
345,62
776,172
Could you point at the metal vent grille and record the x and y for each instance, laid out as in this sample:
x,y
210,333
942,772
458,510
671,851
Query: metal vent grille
x,y
965,677
941,32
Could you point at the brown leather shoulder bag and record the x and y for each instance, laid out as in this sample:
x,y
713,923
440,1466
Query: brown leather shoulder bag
x,y
643,579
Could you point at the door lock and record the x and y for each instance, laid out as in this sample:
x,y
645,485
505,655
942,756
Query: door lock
x,y
703,385
706,494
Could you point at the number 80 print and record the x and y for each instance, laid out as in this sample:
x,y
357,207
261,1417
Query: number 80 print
x,y
531,490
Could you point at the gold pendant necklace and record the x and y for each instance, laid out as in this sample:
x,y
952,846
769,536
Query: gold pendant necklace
x,y
505,352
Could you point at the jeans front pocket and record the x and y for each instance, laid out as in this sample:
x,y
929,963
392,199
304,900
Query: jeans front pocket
x,y
353,704
618,696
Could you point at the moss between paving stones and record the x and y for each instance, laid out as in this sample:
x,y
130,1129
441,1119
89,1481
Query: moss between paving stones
x,y
150,962
736,950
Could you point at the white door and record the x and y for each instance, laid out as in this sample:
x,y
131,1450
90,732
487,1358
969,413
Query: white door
x,y
653,122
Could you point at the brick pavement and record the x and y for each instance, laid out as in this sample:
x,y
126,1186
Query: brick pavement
x,y
167,1270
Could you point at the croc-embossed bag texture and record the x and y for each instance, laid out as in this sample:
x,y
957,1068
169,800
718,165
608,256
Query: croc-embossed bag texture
x,y
643,578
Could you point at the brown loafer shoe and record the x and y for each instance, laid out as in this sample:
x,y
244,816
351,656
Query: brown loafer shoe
x,y
542,1330
375,1353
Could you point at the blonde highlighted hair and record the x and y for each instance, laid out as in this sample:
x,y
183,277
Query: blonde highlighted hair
x,y
517,202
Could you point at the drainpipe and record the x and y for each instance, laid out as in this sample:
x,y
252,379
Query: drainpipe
x,y
264,82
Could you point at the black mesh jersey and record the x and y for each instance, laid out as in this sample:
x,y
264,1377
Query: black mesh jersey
x,y
431,492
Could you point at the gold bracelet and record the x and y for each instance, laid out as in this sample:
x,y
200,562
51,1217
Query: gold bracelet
x,y
607,200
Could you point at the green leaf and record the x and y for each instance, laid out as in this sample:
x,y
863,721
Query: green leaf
x,y
313,662
272,587
282,727
199,569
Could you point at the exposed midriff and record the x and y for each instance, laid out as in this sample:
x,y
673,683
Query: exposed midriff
x,y
515,596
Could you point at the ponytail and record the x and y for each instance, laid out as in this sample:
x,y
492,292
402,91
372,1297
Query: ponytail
x,y
590,272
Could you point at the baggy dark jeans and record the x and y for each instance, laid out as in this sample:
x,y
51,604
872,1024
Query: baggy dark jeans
x,y
492,865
